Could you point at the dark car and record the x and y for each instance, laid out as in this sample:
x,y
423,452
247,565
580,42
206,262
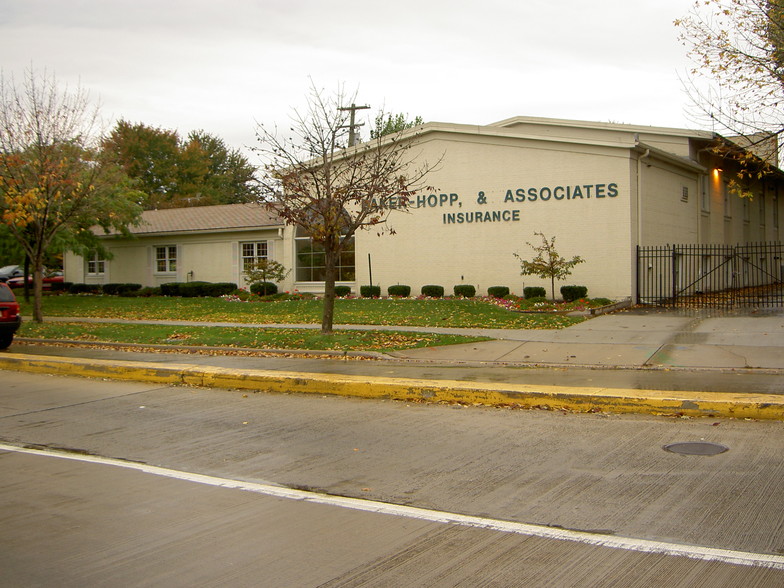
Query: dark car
x,y
9,316
10,271
48,281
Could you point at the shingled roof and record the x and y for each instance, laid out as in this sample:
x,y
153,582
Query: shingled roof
x,y
224,217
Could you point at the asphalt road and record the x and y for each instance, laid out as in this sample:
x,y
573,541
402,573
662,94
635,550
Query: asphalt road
x,y
554,499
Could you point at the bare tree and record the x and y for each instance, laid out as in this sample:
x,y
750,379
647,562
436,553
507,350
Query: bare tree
x,y
54,184
316,182
737,46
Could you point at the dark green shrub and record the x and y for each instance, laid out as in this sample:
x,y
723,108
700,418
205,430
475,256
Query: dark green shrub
x,y
534,292
120,289
218,289
84,289
571,293
433,291
465,290
399,290
370,291
263,288
198,289
341,291
170,289
61,286
142,293
191,289
498,291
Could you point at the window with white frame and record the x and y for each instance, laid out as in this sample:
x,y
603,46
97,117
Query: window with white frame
x,y
96,265
253,253
166,259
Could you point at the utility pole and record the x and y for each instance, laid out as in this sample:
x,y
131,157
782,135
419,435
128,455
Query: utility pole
x,y
352,136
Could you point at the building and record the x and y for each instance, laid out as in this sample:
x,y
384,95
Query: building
x,y
602,189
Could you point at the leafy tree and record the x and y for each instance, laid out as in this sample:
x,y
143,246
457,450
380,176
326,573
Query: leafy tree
x,y
548,263
314,181
229,178
54,183
738,45
149,156
266,270
172,172
393,124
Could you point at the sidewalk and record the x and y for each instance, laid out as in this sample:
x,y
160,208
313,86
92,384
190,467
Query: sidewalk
x,y
655,362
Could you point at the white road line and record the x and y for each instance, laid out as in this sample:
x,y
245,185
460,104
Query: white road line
x,y
630,544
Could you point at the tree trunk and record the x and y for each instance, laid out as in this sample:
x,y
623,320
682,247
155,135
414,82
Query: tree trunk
x,y
38,291
328,312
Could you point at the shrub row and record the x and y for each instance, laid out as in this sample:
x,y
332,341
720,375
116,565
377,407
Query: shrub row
x,y
120,289
197,289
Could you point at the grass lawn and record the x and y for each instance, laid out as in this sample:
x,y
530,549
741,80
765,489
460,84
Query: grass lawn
x,y
354,311
479,313
232,337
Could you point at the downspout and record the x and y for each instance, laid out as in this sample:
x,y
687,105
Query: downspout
x,y
638,240
645,155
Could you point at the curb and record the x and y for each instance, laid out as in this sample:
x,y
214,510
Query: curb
x,y
588,399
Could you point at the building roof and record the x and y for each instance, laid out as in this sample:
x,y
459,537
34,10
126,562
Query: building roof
x,y
223,217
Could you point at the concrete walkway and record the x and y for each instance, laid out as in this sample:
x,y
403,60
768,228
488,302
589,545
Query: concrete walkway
x,y
690,363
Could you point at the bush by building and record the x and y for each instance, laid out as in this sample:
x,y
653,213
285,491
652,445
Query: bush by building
x,y
534,292
264,288
399,290
433,291
498,291
370,291
571,293
465,290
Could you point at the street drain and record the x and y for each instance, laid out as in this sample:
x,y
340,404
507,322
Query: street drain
x,y
696,448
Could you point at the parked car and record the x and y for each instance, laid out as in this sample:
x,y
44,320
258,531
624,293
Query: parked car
x,y
49,279
9,316
10,271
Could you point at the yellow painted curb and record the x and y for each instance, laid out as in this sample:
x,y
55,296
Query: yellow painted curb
x,y
756,406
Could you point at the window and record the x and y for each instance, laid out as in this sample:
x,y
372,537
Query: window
x,y
311,262
746,213
775,204
252,253
166,259
684,193
96,265
761,209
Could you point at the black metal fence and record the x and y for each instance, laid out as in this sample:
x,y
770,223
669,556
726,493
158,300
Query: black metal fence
x,y
711,276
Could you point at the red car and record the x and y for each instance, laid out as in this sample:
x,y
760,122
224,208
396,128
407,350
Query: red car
x,y
9,316
49,279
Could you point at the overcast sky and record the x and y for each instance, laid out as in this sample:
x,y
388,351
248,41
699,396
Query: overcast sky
x,y
221,65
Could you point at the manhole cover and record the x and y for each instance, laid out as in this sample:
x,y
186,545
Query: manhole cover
x,y
696,448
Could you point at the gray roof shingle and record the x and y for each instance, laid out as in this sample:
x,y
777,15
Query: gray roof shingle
x,y
205,218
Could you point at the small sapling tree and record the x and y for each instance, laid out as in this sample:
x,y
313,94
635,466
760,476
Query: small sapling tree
x,y
548,263
265,270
